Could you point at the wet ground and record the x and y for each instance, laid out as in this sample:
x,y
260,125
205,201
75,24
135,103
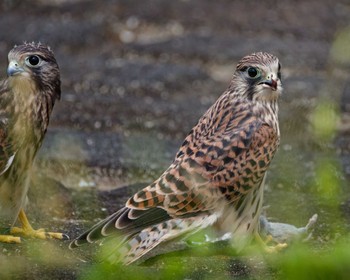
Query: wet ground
x,y
137,75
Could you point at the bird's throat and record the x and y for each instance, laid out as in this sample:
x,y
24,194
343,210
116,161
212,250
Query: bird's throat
x,y
23,91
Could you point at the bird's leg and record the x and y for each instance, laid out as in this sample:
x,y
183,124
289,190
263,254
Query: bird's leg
x,y
269,248
27,230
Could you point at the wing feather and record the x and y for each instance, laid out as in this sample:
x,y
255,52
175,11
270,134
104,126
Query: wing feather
x,y
8,146
221,159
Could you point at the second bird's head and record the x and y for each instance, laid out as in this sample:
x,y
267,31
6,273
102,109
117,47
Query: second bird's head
x,y
258,77
34,63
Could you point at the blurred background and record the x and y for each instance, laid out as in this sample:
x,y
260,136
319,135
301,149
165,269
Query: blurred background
x,y
137,75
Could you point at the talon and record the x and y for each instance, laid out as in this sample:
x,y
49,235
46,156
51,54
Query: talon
x,y
27,230
40,233
65,236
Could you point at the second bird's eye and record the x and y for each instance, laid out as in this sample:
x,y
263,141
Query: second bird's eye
x,y
33,60
252,72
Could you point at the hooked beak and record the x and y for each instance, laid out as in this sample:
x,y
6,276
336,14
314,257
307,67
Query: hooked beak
x,y
14,68
271,83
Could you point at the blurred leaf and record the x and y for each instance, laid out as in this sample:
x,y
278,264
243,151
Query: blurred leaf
x,y
329,183
301,262
340,51
324,119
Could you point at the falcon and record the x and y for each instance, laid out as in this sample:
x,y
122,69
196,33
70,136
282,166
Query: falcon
x,y
216,179
27,98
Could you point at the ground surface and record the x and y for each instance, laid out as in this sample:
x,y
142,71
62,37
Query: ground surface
x,y
137,75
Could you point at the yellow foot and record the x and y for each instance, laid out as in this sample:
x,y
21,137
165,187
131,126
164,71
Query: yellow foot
x,y
28,231
39,233
275,248
269,248
9,239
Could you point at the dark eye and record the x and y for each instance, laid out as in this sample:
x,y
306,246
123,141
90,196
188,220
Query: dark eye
x,y
33,60
252,72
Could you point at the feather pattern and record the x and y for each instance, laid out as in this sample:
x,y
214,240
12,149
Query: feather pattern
x,y
27,98
217,175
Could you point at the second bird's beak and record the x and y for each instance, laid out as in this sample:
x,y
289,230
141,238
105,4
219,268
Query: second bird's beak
x,y
271,83
14,68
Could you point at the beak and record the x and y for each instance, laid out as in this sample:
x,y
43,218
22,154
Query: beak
x,y
14,68
271,83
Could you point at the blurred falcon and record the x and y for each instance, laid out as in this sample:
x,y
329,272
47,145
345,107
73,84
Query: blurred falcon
x,y
216,178
27,98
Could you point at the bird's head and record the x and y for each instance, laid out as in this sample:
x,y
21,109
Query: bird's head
x,y
35,63
258,77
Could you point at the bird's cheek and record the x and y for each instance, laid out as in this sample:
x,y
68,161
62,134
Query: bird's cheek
x,y
19,74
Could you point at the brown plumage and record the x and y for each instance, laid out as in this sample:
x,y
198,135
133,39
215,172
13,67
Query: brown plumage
x,y
27,98
217,176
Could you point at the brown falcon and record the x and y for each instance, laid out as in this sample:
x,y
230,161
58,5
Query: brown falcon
x,y
216,178
27,98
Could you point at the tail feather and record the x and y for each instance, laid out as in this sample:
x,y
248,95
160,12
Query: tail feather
x,y
93,234
143,242
126,221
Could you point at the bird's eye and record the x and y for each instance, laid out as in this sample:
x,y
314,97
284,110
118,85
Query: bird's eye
x,y
253,72
33,60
